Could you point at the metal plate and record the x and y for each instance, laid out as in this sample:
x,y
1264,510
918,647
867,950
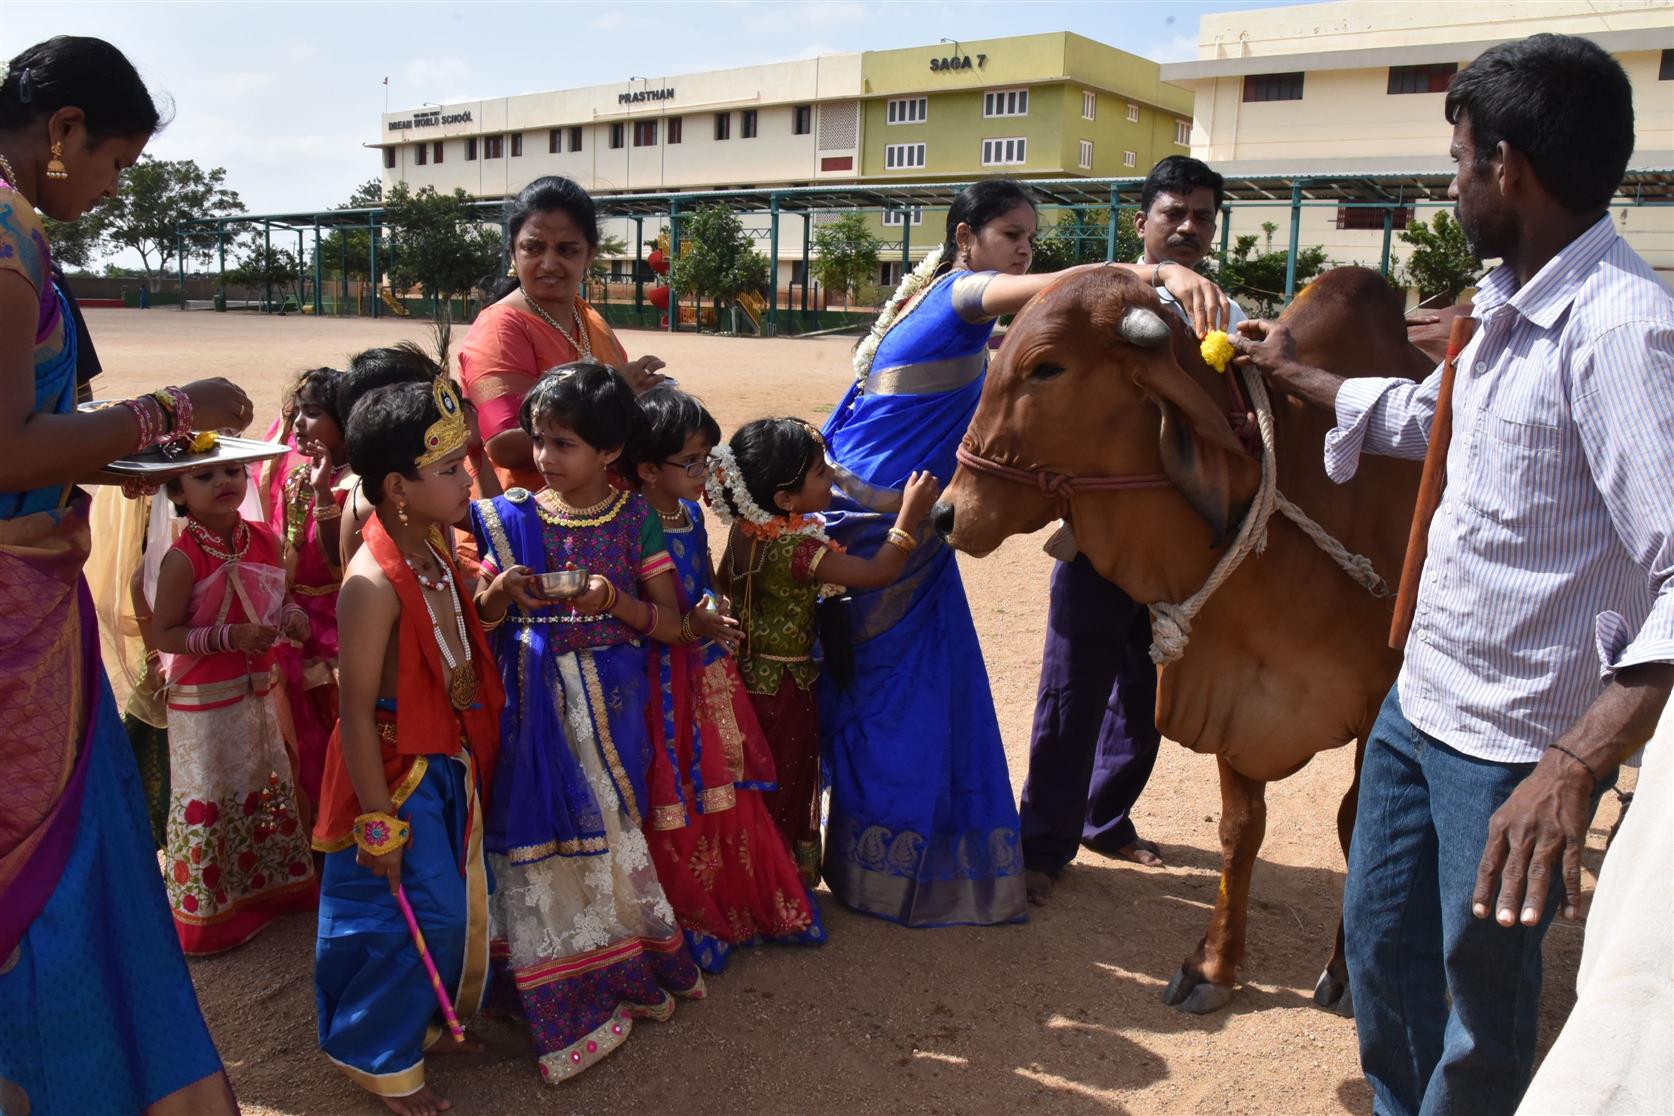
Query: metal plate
x,y
155,465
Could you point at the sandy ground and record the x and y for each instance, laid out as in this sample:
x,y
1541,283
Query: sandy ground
x,y
1060,1015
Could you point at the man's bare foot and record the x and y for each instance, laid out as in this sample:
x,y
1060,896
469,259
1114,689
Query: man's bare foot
x,y
425,1102
1038,887
1142,852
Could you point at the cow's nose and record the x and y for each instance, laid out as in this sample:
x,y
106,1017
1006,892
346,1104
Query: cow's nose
x,y
941,518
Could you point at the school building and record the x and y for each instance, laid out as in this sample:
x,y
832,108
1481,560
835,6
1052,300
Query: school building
x,y
1034,106
1357,88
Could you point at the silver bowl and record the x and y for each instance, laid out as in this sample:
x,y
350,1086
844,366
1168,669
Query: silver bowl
x,y
561,584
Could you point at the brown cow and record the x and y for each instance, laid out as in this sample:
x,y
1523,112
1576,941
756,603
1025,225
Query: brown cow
x,y
1289,657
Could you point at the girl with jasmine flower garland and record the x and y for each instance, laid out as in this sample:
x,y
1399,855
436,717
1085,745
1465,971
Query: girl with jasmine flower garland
x,y
775,563
923,829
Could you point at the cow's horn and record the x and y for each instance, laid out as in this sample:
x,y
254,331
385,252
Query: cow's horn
x,y
1145,328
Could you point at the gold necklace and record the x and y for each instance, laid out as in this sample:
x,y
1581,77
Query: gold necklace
x,y
560,514
11,175
580,342
675,518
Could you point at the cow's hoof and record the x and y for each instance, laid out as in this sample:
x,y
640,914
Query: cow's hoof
x,y
1332,993
1194,995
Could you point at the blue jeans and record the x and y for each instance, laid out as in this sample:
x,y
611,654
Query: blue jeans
x,y
1445,1003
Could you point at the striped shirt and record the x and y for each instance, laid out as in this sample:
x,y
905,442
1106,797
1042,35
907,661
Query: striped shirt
x,y
1551,553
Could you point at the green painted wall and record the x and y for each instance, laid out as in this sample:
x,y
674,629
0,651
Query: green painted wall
x,y
953,132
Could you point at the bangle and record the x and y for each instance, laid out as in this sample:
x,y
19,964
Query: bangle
x,y
686,633
610,601
178,406
1156,271
378,833
326,512
153,423
1585,766
651,622
903,540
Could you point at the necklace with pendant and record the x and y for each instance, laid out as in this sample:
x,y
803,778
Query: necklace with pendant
x,y
579,341
210,543
675,518
462,687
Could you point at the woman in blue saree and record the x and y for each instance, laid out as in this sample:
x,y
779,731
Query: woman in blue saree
x,y
922,827
97,1011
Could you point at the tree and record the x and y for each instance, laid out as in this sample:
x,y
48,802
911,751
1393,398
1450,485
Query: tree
x,y
847,255
1083,238
438,244
262,267
718,259
610,247
155,196
74,243
1257,280
1441,264
347,250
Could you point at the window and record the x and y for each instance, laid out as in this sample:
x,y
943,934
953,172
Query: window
x,y
389,158
1133,113
493,146
1130,158
616,132
1004,152
555,141
1089,104
575,139
1370,217
1422,79
517,145
889,274
470,149
907,110
910,215
747,124
1086,160
802,120
436,152
1006,102
1273,87
645,133
675,128
1183,133
1665,71
421,153
903,156
723,125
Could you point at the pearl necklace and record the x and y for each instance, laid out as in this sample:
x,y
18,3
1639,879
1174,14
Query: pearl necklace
x,y
675,518
462,688
11,175
210,543
579,341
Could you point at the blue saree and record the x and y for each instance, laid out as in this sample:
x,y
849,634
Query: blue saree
x,y
922,827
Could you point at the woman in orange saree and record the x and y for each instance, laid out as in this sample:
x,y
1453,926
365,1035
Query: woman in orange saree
x,y
97,1011
538,320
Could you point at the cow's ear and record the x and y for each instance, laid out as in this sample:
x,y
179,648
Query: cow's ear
x,y
1200,453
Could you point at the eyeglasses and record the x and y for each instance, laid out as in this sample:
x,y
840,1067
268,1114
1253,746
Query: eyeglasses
x,y
691,468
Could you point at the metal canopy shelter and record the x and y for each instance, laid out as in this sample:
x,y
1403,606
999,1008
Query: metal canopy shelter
x,y
1388,186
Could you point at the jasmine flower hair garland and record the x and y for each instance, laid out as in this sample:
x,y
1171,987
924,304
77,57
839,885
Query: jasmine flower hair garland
x,y
915,281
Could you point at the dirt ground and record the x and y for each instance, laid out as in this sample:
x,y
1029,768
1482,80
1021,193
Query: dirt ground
x,y
1060,1015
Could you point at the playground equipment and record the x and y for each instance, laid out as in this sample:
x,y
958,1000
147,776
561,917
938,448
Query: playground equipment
x,y
392,304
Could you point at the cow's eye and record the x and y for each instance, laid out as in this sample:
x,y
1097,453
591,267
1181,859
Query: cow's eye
x,y
1046,371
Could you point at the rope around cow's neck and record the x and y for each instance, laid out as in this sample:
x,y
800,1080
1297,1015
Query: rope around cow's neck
x,y
1171,624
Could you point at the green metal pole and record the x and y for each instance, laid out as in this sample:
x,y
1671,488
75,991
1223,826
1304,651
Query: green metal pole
x,y
1110,228
1388,234
1226,229
319,306
673,254
639,248
221,245
372,264
807,229
773,267
180,259
267,266
1295,238
906,246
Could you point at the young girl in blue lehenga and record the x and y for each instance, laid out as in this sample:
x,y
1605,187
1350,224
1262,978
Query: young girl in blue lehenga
x,y
922,828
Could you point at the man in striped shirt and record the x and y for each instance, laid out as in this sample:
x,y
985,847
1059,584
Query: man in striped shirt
x,y
1540,654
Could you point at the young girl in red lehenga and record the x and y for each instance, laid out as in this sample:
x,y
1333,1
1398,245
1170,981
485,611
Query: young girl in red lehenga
x,y
725,866
302,496
237,852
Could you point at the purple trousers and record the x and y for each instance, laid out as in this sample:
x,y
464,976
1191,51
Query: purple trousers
x,y
1095,734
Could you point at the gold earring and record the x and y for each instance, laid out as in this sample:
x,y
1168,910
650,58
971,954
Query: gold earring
x,y
511,272
401,512
56,169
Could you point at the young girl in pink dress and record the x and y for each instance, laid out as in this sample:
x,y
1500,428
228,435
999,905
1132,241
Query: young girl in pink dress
x,y
237,852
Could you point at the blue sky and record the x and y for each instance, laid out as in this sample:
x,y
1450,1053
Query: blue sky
x,y
284,94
